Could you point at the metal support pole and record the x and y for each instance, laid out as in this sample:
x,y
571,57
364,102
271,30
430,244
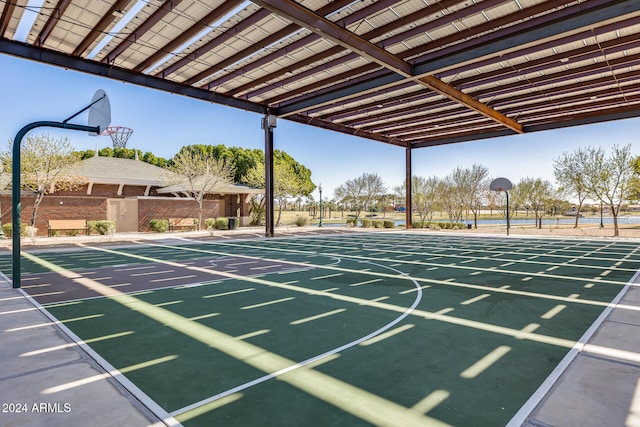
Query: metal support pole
x,y
508,221
268,175
15,186
320,189
408,199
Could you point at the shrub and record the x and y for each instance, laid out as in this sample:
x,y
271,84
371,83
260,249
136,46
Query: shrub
x,y
210,223
222,223
366,223
301,221
419,224
72,233
108,227
159,225
7,229
388,223
352,222
377,223
91,227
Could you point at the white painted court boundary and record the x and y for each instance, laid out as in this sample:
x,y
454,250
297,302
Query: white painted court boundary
x,y
317,358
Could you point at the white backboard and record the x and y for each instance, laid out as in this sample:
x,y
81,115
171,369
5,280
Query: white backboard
x,y
100,111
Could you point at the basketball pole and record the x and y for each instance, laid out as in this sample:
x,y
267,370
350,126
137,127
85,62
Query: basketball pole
x,y
507,193
15,186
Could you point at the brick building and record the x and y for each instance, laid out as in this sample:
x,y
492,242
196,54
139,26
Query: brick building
x,y
131,193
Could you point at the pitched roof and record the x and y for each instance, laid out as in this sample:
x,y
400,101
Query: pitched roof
x,y
113,170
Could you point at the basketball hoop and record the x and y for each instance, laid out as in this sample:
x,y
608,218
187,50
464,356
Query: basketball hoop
x,y
119,135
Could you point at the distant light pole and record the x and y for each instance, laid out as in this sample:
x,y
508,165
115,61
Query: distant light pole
x,y
601,223
320,189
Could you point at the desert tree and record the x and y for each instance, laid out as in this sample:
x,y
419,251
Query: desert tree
x,y
449,197
533,193
611,178
472,185
570,172
198,174
46,166
361,191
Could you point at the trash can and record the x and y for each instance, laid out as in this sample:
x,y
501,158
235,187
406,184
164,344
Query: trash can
x,y
232,223
468,226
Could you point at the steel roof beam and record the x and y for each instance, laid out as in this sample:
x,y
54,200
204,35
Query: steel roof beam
x,y
53,20
327,9
56,58
5,18
257,46
299,118
145,26
571,38
338,79
187,34
306,18
213,43
582,18
101,26
469,101
354,17
570,120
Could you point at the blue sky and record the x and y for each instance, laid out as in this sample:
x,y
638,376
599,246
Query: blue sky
x,y
162,123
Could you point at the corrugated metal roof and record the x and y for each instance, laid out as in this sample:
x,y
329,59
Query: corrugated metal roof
x,y
411,73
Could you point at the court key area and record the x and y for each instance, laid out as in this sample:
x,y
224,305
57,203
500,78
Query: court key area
x,y
395,329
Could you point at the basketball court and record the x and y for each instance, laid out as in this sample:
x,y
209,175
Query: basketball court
x,y
352,329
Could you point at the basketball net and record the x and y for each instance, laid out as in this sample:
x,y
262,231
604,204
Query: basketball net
x,y
119,135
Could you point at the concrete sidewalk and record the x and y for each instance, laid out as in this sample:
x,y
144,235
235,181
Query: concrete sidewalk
x,y
46,380
601,385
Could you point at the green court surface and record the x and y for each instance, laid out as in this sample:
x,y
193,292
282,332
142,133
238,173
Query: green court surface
x,y
360,329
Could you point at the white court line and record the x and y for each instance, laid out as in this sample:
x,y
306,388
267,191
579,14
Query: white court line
x,y
555,310
327,276
222,294
366,282
485,363
431,401
266,303
387,334
317,316
330,353
475,299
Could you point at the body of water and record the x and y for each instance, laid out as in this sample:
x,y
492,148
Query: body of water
x,y
530,221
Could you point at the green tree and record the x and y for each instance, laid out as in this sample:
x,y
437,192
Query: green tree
x,y
290,179
533,193
472,186
570,173
125,153
610,178
242,160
